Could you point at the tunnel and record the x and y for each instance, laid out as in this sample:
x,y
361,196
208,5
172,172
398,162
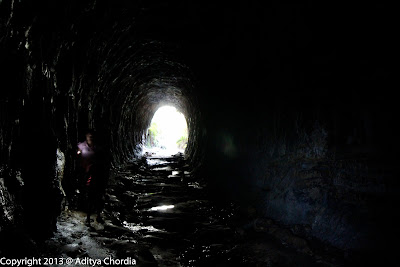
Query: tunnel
x,y
291,150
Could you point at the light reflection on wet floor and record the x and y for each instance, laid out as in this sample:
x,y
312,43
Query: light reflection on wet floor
x,y
152,162
161,208
136,227
166,220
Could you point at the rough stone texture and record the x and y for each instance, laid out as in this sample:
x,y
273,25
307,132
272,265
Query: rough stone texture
x,y
68,72
289,111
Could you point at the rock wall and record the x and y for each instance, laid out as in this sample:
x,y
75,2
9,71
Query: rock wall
x,y
289,110
70,66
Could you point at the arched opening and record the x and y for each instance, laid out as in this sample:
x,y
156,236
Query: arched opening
x,y
168,132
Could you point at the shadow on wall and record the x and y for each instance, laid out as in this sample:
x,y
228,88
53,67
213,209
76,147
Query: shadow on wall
x,y
298,182
336,201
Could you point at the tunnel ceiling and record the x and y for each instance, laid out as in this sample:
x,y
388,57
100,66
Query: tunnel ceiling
x,y
109,59
235,70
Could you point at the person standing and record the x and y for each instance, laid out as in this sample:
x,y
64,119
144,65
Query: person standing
x,y
93,163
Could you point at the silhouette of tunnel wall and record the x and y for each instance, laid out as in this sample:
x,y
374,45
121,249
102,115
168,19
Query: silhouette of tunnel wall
x,y
75,68
281,92
89,75
133,83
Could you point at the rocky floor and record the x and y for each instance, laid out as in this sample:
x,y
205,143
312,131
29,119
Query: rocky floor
x,y
158,215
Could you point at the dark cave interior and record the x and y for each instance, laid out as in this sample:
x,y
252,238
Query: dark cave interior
x,y
290,109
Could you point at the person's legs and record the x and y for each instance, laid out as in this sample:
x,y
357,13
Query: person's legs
x,y
99,205
95,190
88,205
89,196
98,192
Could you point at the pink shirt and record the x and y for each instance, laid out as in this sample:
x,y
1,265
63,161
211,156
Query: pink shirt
x,y
87,154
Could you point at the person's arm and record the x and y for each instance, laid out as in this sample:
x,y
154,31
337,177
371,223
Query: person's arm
x,y
78,149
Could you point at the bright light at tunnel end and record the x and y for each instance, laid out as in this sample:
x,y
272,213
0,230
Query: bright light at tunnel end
x,y
168,132
161,208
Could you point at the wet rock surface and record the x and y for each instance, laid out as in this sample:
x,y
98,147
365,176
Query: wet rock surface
x,y
160,216
252,80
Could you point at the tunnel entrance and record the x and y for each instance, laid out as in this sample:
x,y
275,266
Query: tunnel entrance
x,y
168,132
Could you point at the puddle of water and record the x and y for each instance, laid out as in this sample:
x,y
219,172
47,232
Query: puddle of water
x,y
135,228
163,207
152,162
195,185
148,194
163,169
